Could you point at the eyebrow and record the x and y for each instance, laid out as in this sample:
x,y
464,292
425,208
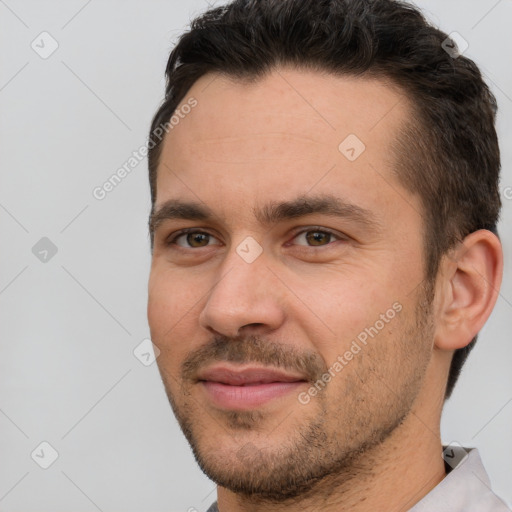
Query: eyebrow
x,y
273,212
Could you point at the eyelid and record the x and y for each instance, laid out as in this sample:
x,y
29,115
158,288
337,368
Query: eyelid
x,y
306,229
171,239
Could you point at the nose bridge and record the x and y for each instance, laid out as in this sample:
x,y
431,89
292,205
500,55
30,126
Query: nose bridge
x,y
244,294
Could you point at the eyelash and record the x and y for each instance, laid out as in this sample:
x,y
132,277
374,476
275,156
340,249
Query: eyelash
x,y
171,241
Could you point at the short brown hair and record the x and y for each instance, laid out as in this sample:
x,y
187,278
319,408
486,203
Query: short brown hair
x,y
448,152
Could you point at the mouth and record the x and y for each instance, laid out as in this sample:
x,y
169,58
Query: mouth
x,y
247,388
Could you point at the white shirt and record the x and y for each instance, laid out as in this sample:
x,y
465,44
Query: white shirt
x,y
466,488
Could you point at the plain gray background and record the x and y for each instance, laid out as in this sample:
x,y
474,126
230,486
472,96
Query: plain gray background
x,y
69,325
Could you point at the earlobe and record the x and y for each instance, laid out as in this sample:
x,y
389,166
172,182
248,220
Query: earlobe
x,y
470,282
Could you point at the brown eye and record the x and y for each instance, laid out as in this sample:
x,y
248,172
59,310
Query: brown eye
x,y
197,239
316,237
192,239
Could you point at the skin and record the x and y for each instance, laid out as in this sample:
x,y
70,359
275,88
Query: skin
x,y
371,438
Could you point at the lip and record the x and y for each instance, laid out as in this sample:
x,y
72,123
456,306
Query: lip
x,y
246,388
247,376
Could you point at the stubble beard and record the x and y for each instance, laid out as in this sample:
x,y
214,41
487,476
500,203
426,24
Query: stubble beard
x,y
323,454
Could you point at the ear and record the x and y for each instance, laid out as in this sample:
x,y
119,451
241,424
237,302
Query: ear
x,y
468,285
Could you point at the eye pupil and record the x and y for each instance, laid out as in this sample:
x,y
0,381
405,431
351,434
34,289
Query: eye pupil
x,y
197,237
317,237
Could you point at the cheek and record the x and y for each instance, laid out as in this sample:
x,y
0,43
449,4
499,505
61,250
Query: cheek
x,y
170,296
160,305
172,314
347,309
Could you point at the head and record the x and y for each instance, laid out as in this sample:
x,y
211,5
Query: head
x,y
284,95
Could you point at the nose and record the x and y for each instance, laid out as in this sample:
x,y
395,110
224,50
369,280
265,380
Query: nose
x,y
244,296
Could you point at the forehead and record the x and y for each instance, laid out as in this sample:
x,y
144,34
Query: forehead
x,y
317,106
281,136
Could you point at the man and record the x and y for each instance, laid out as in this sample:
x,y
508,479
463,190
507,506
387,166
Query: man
x,y
325,196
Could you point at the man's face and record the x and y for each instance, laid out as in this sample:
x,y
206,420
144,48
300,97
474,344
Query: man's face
x,y
325,298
